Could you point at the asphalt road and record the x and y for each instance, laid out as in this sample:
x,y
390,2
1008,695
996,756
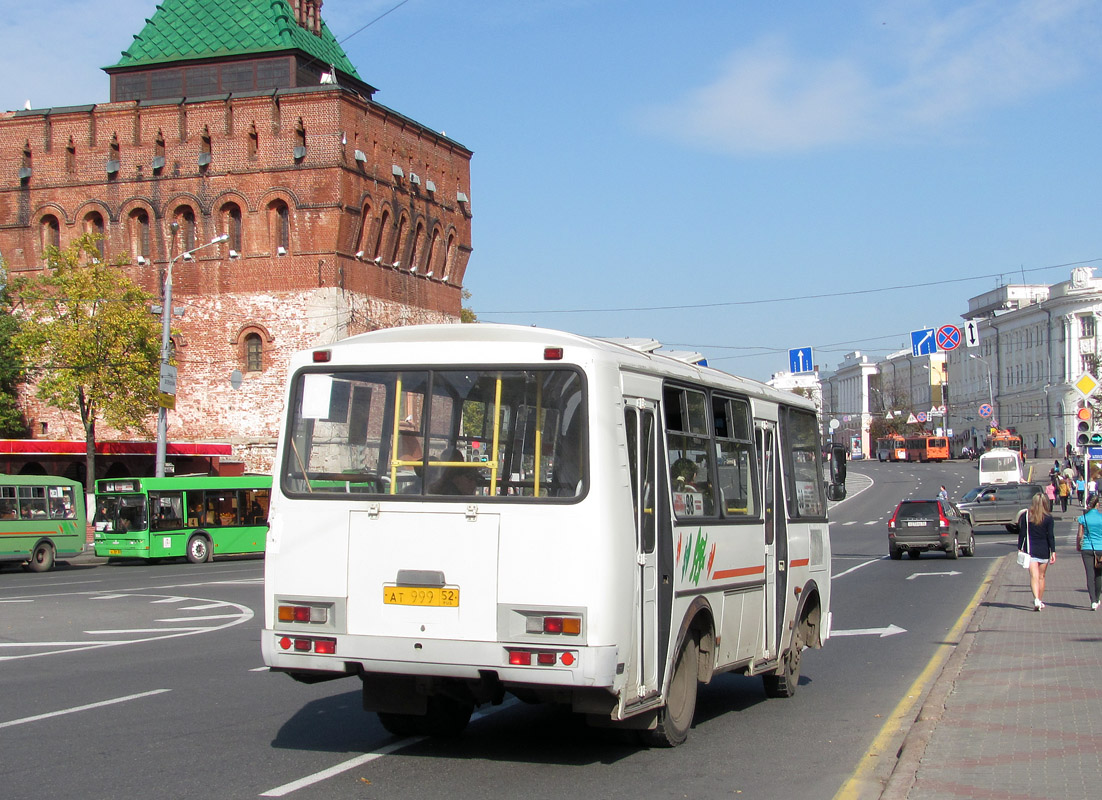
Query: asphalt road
x,y
145,681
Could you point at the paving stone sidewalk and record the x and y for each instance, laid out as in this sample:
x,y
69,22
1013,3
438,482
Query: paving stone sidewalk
x,y
1017,710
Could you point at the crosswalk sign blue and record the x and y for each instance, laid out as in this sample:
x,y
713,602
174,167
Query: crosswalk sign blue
x,y
799,360
923,342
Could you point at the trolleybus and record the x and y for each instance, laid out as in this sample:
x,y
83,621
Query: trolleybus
x,y
1011,441
891,448
462,511
197,517
927,448
41,519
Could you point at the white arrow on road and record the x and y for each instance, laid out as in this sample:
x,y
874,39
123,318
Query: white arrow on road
x,y
923,574
891,630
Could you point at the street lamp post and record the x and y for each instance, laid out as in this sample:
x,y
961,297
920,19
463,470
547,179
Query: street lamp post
x,y
990,391
167,374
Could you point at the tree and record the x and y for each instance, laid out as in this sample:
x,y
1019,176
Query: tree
x,y
12,368
97,347
465,314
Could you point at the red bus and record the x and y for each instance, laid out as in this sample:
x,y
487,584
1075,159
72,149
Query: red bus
x,y
927,448
892,447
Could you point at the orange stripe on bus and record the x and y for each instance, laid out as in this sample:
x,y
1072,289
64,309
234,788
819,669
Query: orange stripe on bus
x,y
737,573
799,562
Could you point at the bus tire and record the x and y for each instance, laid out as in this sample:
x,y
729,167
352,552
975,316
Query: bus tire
x,y
784,684
444,717
675,718
198,549
42,558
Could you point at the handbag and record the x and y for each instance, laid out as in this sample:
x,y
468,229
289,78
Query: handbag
x,y
1023,555
1098,560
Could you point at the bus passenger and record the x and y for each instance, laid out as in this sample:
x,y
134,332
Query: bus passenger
x,y
455,480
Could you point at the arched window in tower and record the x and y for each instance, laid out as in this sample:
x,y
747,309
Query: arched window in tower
x,y
231,225
70,157
184,217
114,158
418,247
93,224
432,266
396,253
50,231
300,141
25,165
158,153
205,152
380,237
449,255
139,234
279,226
254,353
254,141
365,231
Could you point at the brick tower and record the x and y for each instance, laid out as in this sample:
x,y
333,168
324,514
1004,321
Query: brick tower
x,y
244,118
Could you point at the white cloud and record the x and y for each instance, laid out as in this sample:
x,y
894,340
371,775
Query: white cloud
x,y
929,75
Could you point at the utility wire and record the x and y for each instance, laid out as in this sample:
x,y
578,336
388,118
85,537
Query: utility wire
x,y
765,301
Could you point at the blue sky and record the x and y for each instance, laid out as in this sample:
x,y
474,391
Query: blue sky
x,y
736,178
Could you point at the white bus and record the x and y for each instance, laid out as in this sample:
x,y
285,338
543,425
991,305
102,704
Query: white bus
x,y
1001,465
462,511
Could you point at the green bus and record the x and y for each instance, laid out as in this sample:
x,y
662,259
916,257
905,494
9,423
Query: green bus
x,y
197,517
41,519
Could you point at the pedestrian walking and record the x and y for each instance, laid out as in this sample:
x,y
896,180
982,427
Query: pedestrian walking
x,y
1065,492
943,494
1088,542
1050,493
1036,536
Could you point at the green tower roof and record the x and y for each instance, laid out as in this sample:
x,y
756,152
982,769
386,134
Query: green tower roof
x,y
185,30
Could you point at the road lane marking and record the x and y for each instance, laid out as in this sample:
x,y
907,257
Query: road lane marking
x,y
378,752
877,759
890,630
914,575
854,569
74,710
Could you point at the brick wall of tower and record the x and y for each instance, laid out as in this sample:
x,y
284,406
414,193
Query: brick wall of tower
x,y
339,202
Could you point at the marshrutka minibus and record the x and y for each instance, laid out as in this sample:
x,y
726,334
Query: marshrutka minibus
x,y
465,511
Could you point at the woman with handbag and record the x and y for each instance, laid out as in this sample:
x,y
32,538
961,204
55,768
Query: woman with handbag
x,y
1089,543
1036,537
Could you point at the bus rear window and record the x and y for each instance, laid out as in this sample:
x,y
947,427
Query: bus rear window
x,y
437,433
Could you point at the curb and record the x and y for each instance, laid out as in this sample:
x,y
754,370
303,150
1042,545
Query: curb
x,y
903,774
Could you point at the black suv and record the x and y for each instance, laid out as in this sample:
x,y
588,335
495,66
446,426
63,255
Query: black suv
x,y
919,525
998,504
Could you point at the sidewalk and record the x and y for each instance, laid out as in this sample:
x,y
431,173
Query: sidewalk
x,y
1017,710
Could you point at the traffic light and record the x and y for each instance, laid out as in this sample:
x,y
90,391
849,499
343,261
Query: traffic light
x,y
1083,435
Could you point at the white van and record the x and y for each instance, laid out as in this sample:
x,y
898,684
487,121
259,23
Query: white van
x,y
1001,465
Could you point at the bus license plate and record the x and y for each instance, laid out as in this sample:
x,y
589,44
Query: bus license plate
x,y
420,596
114,552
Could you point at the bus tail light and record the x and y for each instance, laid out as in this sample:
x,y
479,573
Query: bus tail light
x,y
305,644
567,626
295,613
541,658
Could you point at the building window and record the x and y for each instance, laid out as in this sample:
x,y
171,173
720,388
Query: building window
x,y
93,224
51,233
1086,326
365,230
139,233
418,247
205,152
70,157
279,215
254,141
449,254
184,218
254,353
231,224
384,223
395,254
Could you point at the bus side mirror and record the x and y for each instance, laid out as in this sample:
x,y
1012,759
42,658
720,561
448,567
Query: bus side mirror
x,y
837,488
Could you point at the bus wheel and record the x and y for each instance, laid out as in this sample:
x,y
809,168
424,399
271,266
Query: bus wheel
x,y
42,559
198,549
445,716
784,684
676,717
